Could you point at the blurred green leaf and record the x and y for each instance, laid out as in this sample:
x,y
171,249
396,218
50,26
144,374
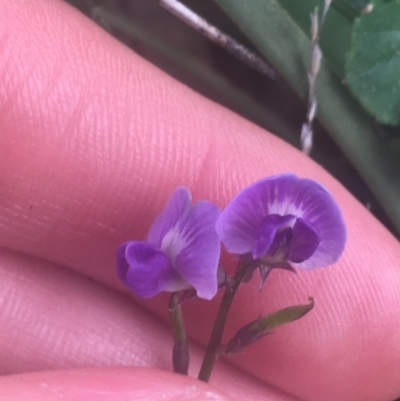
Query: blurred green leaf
x,y
287,47
336,32
373,64
359,4
356,4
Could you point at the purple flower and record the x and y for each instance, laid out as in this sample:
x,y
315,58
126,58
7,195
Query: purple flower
x,y
182,250
284,220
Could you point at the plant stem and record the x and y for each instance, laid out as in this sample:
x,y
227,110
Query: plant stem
x,y
180,353
214,344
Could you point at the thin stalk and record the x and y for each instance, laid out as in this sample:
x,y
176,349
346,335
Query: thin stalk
x,y
214,345
307,133
180,353
220,38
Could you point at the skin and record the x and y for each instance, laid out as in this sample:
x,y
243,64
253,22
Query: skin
x,y
93,141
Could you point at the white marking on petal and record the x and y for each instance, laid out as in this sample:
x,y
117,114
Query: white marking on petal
x,y
173,243
284,208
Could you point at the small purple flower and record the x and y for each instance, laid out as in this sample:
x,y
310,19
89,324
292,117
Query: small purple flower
x,y
182,250
284,220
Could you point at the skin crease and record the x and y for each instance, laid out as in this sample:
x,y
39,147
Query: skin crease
x,y
93,141
54,318
116,384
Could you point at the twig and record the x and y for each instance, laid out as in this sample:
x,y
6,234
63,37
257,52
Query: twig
x,y
218,37
306,136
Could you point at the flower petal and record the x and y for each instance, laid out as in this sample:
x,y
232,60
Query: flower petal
x,y
284,194
178,204
122,263
238,224
147,270
266,233
281,243
194,248
315,205
305,241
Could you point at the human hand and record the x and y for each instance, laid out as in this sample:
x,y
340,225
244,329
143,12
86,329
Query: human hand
x,y
93,142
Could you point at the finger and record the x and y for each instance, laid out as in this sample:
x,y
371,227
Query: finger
x,y
54,318
95,183
106,384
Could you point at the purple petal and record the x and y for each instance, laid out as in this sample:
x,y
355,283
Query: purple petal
x,y
238,224
284,194
283,237
194,248
315,205
266,233
178,204
122,264
305,241
147,270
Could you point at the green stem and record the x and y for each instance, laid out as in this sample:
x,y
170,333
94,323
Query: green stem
x,y
180,353
214,344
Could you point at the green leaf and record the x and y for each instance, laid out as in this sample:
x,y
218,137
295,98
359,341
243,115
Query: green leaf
x,y
287,47
373,64
335,38
356,4
255,330
286,315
